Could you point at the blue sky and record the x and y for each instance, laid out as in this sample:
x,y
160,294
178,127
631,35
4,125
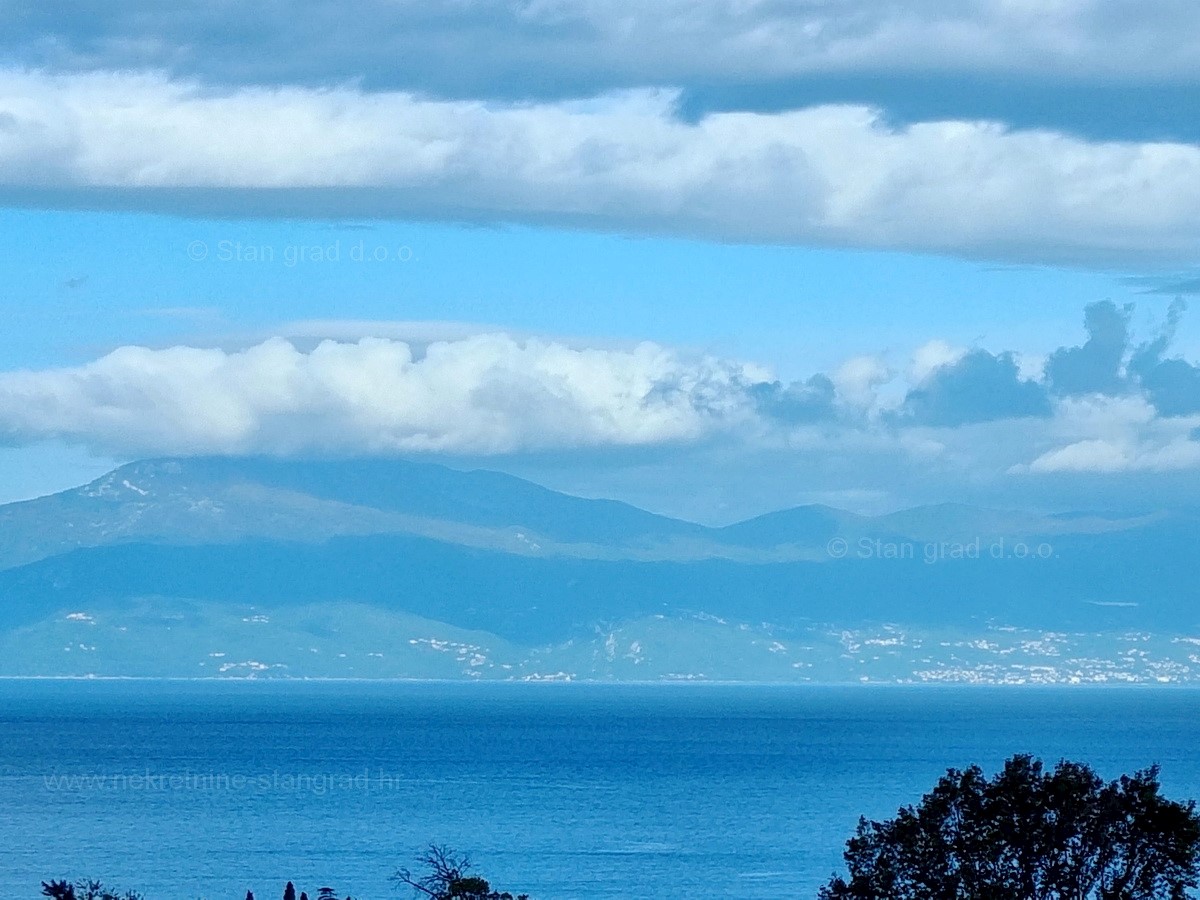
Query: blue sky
x,y
80,283
860,241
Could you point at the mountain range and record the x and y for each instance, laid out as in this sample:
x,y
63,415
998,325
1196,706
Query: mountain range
x,y
210,567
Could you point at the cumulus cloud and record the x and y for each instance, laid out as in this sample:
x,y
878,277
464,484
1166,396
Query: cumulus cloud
x,y
448,389
1108,363
1102,434
959,387
931,356
1172,383
1096,366
485,394
976,387
836,175
800,402
858,379
1105,406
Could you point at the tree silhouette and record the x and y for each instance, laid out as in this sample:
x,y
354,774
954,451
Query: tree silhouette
x,y
1028,834
447,878
94,890
58,890
84,890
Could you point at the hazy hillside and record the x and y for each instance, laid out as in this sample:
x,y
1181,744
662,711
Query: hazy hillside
x,y
221,553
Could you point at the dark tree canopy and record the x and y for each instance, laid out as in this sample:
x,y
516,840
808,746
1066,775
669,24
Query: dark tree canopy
x,y
1028,834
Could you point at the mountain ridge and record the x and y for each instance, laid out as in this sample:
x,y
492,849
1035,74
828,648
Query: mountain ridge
x,y
550,577
188,500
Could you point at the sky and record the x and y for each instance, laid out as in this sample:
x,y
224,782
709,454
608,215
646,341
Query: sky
x,y
712,257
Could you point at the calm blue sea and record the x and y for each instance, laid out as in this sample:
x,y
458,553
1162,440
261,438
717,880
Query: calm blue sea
x,y
186,790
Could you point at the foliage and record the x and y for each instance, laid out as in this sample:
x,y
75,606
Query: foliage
x,y
447,877
84,890
1028,834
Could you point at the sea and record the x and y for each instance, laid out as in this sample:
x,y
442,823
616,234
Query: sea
x,y
186,790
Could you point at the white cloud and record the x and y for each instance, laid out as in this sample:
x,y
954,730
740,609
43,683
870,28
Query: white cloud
x,y
484,394
1106,457
829,175
858,378
1109,435
1095,455
932,356
1096,415
449,391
